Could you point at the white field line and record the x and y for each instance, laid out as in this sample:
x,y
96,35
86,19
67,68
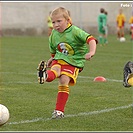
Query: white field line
x,y
72,115
30,82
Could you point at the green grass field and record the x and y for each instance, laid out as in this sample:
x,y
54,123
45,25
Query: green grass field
x,y
92,106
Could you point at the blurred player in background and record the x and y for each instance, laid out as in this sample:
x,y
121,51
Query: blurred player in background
x,y
106,28
102,19
120,22
68,51
131,26
50,25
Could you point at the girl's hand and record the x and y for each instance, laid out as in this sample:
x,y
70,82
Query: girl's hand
x,y
88,56
49,62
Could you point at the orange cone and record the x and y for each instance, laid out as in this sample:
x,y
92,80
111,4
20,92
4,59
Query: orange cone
x,y
99,79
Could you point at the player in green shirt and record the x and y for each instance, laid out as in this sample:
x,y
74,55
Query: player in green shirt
x,y
67,44
106,29
102,23
70,46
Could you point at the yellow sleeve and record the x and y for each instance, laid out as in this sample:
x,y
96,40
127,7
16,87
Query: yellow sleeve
x,y
131,20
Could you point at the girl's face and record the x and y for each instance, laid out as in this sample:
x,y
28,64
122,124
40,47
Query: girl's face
x,y
59,23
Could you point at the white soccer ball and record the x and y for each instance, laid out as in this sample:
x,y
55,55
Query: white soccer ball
x,y
4,114
122,39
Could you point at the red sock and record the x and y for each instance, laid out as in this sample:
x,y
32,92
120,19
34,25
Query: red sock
x,y
122,35
132,35
63,93
118,34
51,75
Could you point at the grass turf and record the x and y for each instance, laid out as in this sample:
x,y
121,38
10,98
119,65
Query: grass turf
x,y
92,106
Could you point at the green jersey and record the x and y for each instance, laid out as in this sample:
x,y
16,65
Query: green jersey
x,y
69,45
102,20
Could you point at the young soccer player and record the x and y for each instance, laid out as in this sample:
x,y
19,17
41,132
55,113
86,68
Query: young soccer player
x,y
102,20
106,28
131,26
120,21
68,48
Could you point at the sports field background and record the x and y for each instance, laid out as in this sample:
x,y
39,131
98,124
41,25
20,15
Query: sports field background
x,y
30,18
92,106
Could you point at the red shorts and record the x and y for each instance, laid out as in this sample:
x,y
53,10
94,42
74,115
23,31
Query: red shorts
x,y
131,27
120,27
67,69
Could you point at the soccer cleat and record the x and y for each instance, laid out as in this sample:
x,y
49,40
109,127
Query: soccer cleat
x,y
127,71
57,114
42,75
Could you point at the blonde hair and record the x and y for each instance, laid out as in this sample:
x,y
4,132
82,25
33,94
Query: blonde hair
x,y
61,11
